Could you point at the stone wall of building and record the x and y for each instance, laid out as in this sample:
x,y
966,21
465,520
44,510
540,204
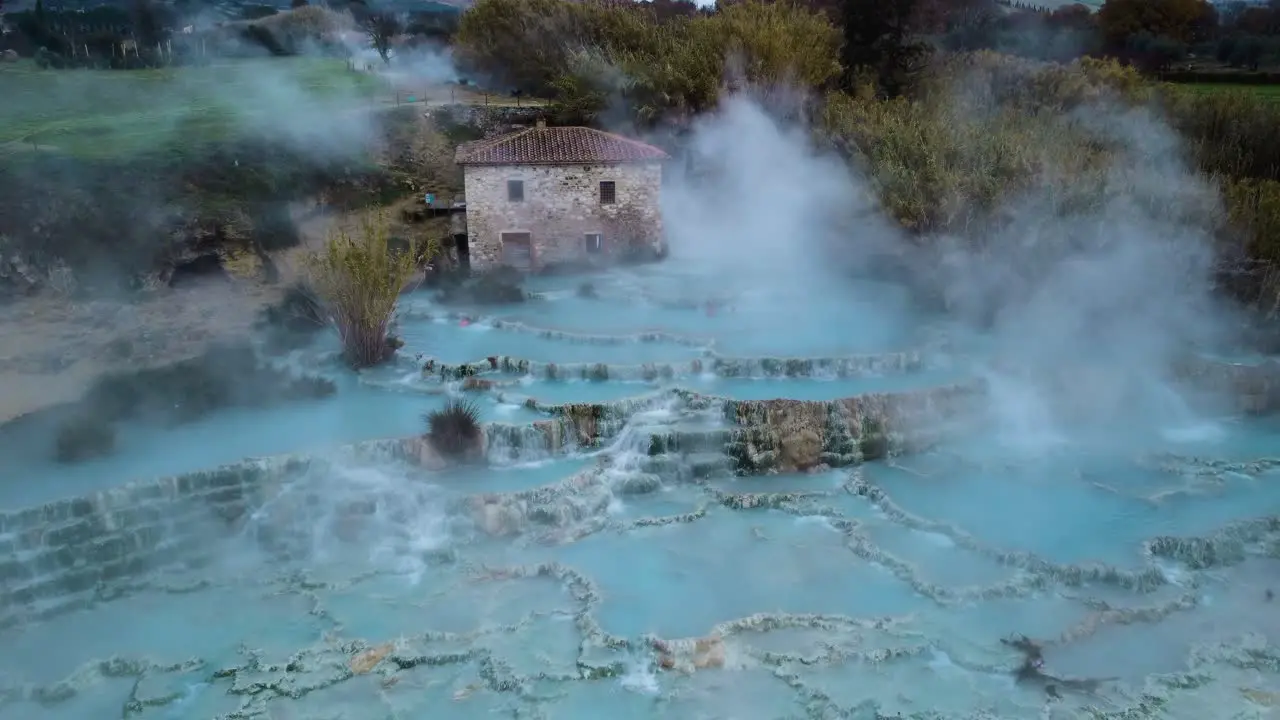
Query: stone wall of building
x,y
561,205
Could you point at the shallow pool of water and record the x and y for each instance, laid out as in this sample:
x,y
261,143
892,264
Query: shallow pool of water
x,y
148,450
908,628
764,321
449,341
369,591
816,389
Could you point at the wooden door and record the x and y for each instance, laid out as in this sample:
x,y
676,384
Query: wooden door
x,y
517,250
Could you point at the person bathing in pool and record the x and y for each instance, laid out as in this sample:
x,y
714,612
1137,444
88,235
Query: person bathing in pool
x,y
1032,669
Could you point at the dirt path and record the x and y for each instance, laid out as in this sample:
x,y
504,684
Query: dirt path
x,y
51,349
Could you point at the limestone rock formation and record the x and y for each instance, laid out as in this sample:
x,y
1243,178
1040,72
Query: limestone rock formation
x,y
701,653
495,517
367,660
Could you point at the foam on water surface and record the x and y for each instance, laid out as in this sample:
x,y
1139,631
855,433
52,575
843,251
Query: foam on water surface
x,y
508,478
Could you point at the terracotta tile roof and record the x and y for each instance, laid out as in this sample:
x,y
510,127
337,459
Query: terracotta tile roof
x,y
556,146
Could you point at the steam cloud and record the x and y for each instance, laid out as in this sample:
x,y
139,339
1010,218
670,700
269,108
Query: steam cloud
x,y
1074,319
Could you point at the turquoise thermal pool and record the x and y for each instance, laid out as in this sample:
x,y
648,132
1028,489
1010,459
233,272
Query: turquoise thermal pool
x,y
642,574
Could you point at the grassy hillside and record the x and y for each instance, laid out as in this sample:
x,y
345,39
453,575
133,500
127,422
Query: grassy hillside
x,y
94,113
117,114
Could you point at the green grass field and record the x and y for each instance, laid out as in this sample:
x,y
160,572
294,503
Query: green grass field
x,y
112,113
1267,92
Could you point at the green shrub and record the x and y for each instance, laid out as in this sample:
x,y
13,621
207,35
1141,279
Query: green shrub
x,y
359,280
982,129
1252,272
1234,133
454,430
297,311
586,53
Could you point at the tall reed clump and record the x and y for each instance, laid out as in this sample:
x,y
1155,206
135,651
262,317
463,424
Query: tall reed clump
x,y
981,131
1253,213
1234,136
358,278
1228,132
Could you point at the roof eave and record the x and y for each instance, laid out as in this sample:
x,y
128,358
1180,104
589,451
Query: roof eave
x,y
635,161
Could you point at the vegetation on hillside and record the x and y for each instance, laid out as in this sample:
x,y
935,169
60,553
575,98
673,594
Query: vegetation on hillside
x,y
154,34
884,78
125,212
593,54
947,139
95,114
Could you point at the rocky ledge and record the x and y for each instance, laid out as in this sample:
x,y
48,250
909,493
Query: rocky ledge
x,y
486,373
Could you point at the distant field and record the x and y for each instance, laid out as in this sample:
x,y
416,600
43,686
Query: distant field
x,y
1268,92
111,113
88,112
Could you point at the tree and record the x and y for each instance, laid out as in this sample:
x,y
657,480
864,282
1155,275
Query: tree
x,y
1243,52
1254,21
530,44
149,22
298,3
1073,17
1156,53
382,28
1185,21
664,10
878,40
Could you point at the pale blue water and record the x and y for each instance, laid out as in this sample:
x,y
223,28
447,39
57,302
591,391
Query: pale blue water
x,y
448,341
860,605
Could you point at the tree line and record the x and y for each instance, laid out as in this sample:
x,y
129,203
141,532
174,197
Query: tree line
x,y
1153,35
150,33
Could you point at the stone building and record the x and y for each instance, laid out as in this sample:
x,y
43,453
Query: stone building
x,y
548,195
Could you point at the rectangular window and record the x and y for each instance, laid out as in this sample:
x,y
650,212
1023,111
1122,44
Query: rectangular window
x,y
608,192
515,190
594,243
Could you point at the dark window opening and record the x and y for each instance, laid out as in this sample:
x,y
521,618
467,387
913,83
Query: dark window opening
x,y
594,242
515,190
608,192
463,245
